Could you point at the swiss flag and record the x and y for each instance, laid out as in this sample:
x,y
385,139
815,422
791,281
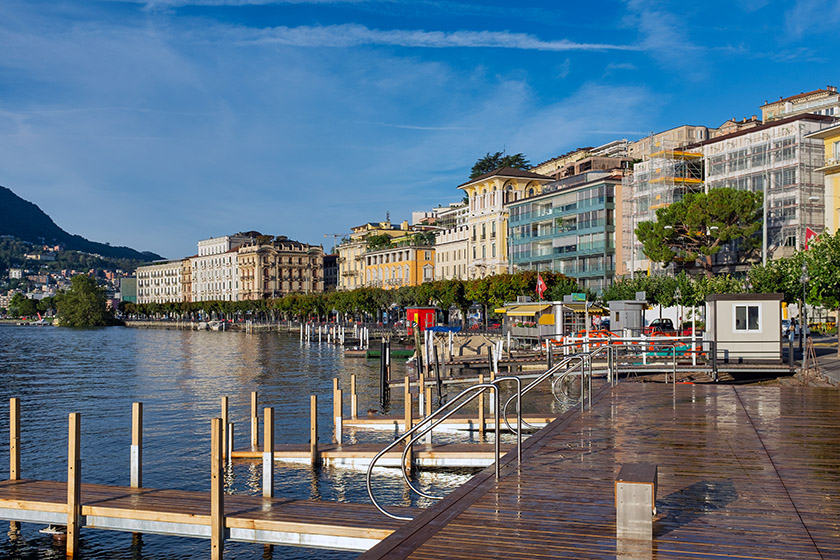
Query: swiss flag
x,y
809,234
541,287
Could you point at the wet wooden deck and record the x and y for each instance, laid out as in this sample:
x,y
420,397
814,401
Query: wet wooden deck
x,y
744,472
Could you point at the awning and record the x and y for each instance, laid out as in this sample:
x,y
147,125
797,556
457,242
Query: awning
x,y
528,310
581,308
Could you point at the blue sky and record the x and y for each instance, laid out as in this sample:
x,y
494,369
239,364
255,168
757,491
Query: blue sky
x,y
155,124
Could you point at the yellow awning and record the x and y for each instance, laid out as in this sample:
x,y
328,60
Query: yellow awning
x,y
581,308
528,310
500,311
546,319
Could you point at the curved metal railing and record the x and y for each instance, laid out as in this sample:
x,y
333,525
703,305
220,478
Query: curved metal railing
x,y
435,419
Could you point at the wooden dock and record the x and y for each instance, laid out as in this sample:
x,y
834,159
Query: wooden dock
x,y
252,519
744,472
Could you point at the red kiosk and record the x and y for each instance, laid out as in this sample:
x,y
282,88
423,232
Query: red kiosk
x,y
423,317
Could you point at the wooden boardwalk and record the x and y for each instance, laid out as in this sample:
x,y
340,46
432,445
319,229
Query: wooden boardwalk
x,y
744,472
254,519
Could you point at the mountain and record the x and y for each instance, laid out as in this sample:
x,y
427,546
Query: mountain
x,y
24,220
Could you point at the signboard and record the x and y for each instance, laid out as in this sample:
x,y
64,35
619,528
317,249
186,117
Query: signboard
x,y
578,297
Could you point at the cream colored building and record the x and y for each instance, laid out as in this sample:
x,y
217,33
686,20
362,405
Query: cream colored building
x,y
488,217
819,102
275,268
215,270
676,137
452,242
831,169
160,282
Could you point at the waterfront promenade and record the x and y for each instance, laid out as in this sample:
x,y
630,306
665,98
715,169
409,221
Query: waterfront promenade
x,y
744,472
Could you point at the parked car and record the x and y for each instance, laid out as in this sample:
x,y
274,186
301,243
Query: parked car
x,y
662,324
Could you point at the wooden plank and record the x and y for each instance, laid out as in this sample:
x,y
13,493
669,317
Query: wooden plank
x,y
217,491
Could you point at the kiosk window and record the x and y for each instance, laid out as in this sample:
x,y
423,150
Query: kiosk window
x,y
747,318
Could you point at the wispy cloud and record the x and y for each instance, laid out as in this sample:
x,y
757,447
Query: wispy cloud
x,y
354,35
812,16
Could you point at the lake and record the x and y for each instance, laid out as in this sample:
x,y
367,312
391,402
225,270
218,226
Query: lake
x,y
179,376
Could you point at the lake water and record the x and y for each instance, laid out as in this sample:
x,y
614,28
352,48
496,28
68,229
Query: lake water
x,y
179,376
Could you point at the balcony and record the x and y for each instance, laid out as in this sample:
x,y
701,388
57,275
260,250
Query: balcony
x,y
831,165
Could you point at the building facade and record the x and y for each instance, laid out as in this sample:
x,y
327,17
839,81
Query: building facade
x,y
273,269
351,251
488,216
830,169
451,242
569,227
780,159
215,270
400,266
160,282
819,102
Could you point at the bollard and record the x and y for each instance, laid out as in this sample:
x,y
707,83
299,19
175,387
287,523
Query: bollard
x,y
137,445
74,485
268,452
354,403
225,420
338,415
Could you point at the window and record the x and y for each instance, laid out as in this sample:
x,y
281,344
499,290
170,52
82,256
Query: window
x,y
747,318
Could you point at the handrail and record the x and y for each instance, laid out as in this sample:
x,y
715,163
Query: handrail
x,y
427,425
548,373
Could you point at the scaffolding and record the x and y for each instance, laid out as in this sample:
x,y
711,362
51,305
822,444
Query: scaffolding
x,y
667,174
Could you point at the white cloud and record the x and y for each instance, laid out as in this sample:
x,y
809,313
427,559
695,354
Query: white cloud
x,y
812,16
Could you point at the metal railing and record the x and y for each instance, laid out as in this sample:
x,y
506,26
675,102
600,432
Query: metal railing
x,y
435,419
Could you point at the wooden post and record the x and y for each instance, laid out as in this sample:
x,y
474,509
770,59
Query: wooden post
x,y
229,443
491,401
217,491
137,445
14,438
428,412
421,396
255,422
225,420
313,429
74,485
354,403
481,407
268,453
14,448
408,423
336,405
407,401
338,414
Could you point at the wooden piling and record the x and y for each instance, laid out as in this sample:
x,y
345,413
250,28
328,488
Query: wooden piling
x,y
14,438
137,445
217,491
354,403
74,484
409,420
225,420
407,401
338,414
268,453
255,422
481,407
421,396
313,429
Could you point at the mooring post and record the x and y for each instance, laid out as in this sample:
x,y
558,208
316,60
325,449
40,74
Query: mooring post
x,y
74,484
225,420
14,438
338,414
421,396
137,445
313,429
409,420
428,412
255,422
407,401
354,403
268,453
481,407
217,491
14,448
229,442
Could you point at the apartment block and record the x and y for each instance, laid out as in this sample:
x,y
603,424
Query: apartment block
x,y
831,171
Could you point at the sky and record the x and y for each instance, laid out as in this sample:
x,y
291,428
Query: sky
x,y
158,123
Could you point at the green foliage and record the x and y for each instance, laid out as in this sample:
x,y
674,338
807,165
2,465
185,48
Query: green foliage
x,y
822,259
491,162
662,290
83,305
377,242
697,227
779,276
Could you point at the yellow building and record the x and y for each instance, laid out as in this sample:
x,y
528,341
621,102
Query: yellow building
x,y
488,216
400,265
351,251
831,169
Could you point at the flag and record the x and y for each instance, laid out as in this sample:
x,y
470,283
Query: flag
x,y
809,233
541,287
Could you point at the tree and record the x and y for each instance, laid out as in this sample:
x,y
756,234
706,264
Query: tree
x,y
824,282
83,305
491,162
697,227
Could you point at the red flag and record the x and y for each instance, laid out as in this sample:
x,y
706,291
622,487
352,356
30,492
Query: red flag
x,y
809,233
541,287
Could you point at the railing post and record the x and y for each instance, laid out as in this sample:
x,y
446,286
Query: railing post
x,y
74,484
409,421
255,422
137,445
268,452
407,401
217,494
313,429
481,407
